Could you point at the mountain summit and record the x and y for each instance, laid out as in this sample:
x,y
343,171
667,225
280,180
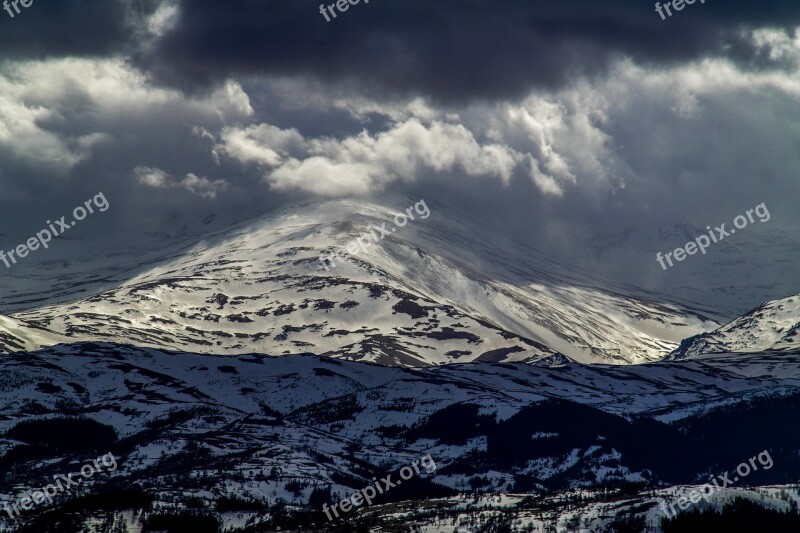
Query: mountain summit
x,y
435,291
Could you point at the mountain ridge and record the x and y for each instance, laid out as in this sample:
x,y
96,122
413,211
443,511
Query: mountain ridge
x,y
435,291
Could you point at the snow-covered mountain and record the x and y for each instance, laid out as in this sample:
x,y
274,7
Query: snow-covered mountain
x,y
773,326
438,290
191,430
20,336
763,256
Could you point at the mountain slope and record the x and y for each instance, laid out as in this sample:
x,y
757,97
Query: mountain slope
x,y
763,255
436,291
772,326
19,336
191,428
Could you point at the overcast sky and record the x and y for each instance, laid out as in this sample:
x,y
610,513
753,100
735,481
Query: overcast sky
x,y
555,120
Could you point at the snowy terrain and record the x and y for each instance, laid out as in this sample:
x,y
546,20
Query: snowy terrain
x,y
734,276
439,290
230,373
772,326
191,426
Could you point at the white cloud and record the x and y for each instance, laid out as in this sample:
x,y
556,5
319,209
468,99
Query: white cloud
x,y
152,177
163,19
363,163
54,112
157,178
262,144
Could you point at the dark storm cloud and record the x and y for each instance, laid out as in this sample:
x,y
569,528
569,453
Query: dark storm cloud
x,y
447,49
642,144
71,28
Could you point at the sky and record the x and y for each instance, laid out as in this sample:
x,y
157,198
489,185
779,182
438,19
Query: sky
x,y
576,126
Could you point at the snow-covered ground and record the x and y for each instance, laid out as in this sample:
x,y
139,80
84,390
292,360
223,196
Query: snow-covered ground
x,y
439,290
772,326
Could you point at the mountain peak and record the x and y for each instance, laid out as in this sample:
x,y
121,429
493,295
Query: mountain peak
x,y
422,285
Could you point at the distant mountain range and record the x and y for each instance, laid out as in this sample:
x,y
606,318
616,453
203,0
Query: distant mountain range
x,y
243,385
197,430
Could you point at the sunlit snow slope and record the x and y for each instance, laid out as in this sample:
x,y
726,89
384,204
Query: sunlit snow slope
x,y
436,291
772,326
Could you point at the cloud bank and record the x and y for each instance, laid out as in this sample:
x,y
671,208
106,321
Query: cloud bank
x,y
565,123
